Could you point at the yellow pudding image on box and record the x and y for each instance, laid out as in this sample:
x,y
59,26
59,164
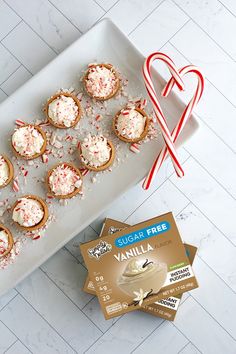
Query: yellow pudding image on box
x,y
138,265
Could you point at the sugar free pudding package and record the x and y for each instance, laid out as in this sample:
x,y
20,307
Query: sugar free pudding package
x,y
138,266
164,308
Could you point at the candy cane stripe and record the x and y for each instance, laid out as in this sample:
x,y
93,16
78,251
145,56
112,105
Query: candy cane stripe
x,y
157,109
184,118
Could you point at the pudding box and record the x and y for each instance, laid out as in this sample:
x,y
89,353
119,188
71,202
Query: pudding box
x,y
138,265
164,308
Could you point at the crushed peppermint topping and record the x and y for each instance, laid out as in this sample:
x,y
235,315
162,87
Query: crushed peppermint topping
x,y
15,185
10,258
63,111
130,123
95,150
4,171
134,147
64,180
101,81
4,242
27,140
28,212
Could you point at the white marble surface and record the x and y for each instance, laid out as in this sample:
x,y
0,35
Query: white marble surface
x,y
48,312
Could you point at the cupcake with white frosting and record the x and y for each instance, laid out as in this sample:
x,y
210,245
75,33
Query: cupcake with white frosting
x,y
6,171
6,241
30,212
96,152
101,81
29,141
131,124
63,110
64,181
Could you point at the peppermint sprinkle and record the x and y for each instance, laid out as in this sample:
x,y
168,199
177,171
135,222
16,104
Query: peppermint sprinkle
x,y
19,123
68,138
125,112
44,124
98,118
135,148
79,96
53,138
45,158
84,171
15,185
35,237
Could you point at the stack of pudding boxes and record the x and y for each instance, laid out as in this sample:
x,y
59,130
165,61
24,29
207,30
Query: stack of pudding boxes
x,y
143,267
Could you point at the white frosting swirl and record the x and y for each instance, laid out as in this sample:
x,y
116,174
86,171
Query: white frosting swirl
x,y
95,150
63,111
64,180
101,81
4,171
4,242
28,212
130,125
27,141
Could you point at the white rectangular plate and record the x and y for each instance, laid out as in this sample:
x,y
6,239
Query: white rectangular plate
x,y
103,43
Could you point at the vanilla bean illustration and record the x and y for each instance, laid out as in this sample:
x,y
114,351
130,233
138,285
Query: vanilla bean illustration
x,y
146,263
148,294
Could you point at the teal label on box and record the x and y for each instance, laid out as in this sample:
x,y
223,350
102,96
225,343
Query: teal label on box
x,y
142,234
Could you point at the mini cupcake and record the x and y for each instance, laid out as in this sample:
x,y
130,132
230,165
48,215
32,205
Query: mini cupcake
x,y
6,241
6,171
131,124
96,152
29,141
63,110
30,212
64,181
101,81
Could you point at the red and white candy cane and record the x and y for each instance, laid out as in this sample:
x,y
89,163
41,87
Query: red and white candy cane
x,y
185,116
157,108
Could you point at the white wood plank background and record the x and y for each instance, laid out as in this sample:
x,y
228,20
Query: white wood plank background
x,y
33,32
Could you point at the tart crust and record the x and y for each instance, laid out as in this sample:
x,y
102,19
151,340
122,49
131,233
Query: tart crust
x,y
43,148
113,93
10,240
142,136
77,102
104,166
11,171
62,196
45,210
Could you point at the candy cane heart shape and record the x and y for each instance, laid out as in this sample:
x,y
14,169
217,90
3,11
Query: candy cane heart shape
x,y
157,108
184,118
